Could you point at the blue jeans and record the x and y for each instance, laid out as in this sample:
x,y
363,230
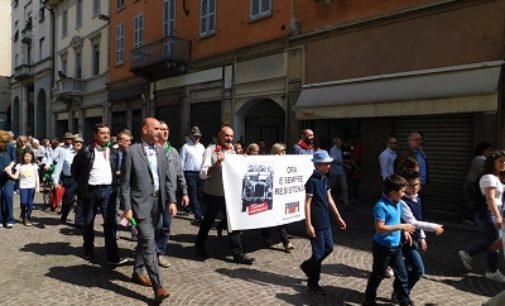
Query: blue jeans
x,y
26,200
322,246
413,262
104,198
6,199
382,258
194,185
487,224
162,232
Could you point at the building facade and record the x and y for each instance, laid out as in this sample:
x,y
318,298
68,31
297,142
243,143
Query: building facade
x,y
5,64
32,68
202,63
269,69
5,37
81,54
432,66
5,102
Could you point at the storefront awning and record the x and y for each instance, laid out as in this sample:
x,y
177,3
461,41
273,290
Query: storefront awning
x,y
468,88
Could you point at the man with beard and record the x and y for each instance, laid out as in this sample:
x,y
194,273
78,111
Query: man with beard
x,y
214,200
306,144
93,170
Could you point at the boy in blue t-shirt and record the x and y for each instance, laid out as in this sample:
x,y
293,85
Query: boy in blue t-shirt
x,y
317,220
386,242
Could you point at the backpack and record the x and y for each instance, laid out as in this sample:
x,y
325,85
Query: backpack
x,y
476,200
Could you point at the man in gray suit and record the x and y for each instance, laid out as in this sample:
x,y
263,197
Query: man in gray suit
x,y
145,188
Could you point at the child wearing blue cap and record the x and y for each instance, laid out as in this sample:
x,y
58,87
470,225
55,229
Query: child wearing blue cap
x,y
317,220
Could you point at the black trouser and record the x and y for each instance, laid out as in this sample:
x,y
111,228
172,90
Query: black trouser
x,y
214,205
281,230
100,197
68,197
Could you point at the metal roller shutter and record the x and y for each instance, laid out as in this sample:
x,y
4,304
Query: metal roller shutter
x,y
207,116
448,147
171,115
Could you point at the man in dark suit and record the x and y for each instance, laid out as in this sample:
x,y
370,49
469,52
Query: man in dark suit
x,y
145,188
93,169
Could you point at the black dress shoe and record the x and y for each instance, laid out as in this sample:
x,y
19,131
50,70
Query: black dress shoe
x,y
243,259
304,268
316,289
88,255
200,251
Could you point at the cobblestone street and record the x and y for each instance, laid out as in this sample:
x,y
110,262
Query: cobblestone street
x,y
42,265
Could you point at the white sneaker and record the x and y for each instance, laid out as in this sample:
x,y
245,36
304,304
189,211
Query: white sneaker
x,y
495,276
466,259
389,272
163,262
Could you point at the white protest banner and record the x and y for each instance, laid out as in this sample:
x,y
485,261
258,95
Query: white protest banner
x,y
265,190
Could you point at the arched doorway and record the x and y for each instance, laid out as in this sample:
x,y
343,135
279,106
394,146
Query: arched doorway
x,y
15,116
41,115
264,120
30,112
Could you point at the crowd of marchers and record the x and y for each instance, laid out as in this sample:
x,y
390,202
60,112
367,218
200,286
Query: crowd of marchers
x,y
145,184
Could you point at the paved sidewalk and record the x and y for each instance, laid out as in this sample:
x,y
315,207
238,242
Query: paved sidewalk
x,y
42,265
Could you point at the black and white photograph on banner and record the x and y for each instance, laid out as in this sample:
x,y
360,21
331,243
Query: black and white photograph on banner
x,y
257,188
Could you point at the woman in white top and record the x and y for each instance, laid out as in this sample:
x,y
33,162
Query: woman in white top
x,y
489,217
27,172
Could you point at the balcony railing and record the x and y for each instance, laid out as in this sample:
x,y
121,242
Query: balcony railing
x,y
171,52
23,71
69,87
27,36
52,3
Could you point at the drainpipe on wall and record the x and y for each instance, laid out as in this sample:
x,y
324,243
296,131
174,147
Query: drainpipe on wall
x,y
500,112
50,122
294,22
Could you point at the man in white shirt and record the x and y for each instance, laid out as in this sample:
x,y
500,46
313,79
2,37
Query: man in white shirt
x,y
93,169
387,158
192,157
